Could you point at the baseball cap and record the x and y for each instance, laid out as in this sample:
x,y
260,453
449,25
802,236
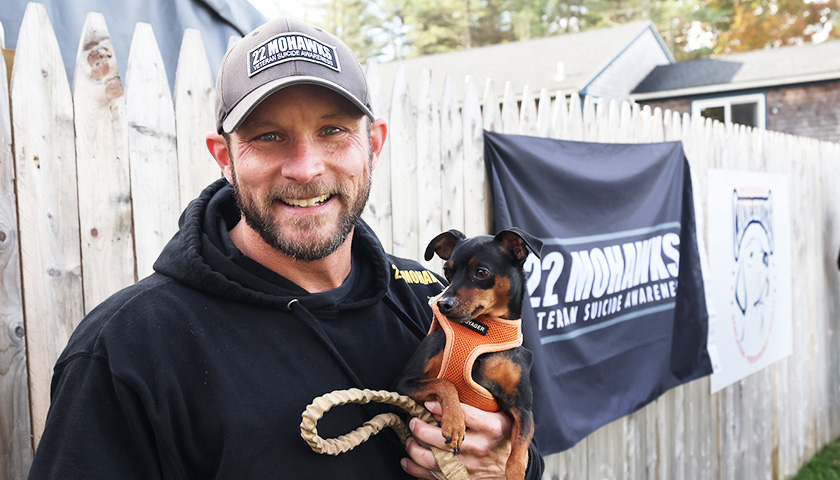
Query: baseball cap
x,y
280,53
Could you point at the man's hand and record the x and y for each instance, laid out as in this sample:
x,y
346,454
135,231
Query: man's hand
x,y
484,452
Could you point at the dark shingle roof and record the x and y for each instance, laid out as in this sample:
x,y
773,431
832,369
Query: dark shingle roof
x,y
754,69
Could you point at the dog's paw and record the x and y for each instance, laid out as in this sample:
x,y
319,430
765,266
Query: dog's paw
x,y
453,430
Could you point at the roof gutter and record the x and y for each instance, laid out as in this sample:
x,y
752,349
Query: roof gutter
x,y
730,87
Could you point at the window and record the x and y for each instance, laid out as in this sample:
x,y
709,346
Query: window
x,y
746,110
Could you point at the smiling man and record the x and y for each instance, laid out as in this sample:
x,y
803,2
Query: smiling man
x,y
273,292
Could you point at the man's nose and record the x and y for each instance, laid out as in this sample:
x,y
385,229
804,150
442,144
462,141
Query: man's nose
x,y
304,161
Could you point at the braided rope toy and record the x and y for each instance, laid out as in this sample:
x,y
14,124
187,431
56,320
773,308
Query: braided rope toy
x,y
450,467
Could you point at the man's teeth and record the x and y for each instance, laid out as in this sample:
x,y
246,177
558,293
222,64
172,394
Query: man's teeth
x,y
306,202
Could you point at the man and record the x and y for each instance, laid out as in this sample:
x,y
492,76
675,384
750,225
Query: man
x,y
272,292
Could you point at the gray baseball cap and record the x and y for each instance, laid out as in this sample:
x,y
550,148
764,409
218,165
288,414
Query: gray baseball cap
x,y
280,53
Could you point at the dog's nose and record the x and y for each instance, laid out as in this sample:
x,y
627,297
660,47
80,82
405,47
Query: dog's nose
x,y
445,305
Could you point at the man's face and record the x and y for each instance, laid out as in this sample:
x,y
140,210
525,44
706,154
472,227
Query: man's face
x,y
301,170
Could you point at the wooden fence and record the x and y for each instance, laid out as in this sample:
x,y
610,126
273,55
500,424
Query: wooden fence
x,y
92,182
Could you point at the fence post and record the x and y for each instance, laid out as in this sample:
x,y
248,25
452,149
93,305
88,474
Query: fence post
x,y
103,170
47,203
15,426
152,149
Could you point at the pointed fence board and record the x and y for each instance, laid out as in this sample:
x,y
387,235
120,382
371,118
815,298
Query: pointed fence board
x,y
575,128
510,111
47,203
377,212
15,425
102,165
491,112
194,118
528,113
452,158
476,203
544,112
560,116
152,150
404,169
428,201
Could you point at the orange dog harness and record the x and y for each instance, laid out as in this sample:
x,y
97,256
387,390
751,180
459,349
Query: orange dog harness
x,y
464,343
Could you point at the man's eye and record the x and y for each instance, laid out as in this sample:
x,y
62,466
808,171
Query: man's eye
x,y
331,130
269,137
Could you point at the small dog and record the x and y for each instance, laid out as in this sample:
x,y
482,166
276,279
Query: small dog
x,y
478,321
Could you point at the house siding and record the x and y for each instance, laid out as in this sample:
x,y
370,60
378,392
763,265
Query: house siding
x,y
629,68
807,110
810,110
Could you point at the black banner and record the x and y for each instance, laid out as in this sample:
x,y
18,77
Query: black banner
x,y
617,312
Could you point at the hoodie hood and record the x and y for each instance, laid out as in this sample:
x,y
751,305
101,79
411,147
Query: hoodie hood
x,y
202,256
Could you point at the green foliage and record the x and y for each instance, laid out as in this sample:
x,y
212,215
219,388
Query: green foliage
x,y
824,465
399,29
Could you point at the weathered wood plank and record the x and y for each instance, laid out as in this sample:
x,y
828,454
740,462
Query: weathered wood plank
x,y
528,113
47,203
477,207
378,209
15,426
492,108
194,118
102,165
510,111
544,113
452,147
152,149
404,169
428,201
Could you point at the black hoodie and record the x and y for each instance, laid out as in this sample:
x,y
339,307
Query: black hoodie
x,y
203,369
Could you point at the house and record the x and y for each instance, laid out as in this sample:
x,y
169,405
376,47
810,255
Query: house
x,y
795,89
607,62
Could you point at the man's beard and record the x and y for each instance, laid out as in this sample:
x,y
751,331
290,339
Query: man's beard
x,y
258,215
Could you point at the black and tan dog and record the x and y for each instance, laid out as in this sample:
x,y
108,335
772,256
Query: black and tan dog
x,y
473,353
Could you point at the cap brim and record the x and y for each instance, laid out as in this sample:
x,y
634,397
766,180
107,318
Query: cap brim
x,y
239,112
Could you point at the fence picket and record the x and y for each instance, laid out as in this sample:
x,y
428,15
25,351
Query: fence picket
x,y
404,169
476,207
195,117
575,129
102,165
544,113
47,203
452,157
510,111
560,116
528,113
428,202
378,209
492,113
15,426
152,150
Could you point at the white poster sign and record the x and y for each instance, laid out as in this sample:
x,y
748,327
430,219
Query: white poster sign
x,y
749,257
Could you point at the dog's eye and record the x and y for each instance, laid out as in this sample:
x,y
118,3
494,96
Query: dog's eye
x,y
482,273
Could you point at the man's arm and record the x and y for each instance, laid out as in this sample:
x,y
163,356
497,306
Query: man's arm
x,y
485,449
95,428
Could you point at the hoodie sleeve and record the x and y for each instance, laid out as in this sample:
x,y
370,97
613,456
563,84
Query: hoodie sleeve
x,y
96,427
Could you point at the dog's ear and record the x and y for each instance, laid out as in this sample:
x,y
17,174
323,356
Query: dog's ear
x,y
515,241
443,244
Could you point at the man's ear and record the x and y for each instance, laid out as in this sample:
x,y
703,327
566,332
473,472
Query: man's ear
x,y
217,145
378,134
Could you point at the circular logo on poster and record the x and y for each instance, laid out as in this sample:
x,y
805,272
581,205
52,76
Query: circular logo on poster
x,y
754,282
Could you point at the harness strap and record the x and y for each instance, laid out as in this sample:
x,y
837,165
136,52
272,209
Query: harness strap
x,y
464,343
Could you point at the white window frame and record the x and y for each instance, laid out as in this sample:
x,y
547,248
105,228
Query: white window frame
x,y
726,102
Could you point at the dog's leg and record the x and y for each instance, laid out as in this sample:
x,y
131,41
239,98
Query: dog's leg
x,y
452,426
520,438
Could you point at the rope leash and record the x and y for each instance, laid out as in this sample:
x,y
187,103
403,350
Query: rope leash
x,y
450,466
